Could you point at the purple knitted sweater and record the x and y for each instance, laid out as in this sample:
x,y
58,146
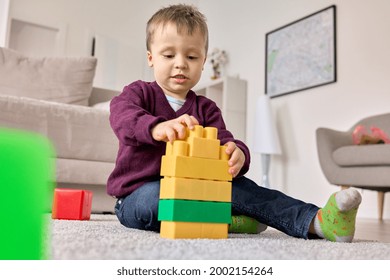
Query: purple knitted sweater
x,y
134,113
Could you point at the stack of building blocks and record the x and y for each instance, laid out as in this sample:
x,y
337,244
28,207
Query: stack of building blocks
x,y
72,204
27,176
195,192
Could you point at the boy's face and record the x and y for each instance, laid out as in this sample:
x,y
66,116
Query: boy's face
x,y
177,59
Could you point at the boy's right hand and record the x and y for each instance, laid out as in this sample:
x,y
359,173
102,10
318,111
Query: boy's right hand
x,y
173,129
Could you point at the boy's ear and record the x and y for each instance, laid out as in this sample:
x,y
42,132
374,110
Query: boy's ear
x,y
150,58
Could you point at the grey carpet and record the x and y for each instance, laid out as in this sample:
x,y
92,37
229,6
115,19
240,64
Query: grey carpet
x,y
104,238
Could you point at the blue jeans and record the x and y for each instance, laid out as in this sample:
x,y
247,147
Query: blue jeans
x,y
271,207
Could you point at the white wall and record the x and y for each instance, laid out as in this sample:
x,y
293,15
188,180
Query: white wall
x,y
362,88
239,27
120,23
4,6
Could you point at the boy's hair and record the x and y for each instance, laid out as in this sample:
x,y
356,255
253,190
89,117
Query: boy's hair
x,y
186,17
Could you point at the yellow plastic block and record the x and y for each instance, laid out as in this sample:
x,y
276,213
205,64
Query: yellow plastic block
x,y
178,147
199,142
194,189
203,142
222,153
203,132
196,168
203,148
189,230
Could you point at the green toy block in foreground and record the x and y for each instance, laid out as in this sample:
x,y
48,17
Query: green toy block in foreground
x,y
194,211
26,187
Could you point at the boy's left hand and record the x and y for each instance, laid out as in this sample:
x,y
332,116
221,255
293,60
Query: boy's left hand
x,y
236,158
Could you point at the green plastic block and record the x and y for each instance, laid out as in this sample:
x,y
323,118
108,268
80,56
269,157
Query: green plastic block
x,y
26,187
194,211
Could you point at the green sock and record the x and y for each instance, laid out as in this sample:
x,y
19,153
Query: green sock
x,y
336,221
244,224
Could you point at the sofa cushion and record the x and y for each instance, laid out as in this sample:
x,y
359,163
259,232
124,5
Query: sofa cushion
x,y
92,172
60,79
77,132
362,155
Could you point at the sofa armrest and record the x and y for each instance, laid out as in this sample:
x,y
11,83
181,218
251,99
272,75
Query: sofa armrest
x,y
100,95
77,132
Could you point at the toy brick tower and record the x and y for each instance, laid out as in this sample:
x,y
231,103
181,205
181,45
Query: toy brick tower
x,y
195,193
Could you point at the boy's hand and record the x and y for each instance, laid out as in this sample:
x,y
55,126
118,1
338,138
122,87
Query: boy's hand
x,y
173,129
237,158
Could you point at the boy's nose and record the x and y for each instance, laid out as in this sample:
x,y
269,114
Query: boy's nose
x,y
180,62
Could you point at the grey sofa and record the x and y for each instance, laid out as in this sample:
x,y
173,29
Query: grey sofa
x,y
362,166
55,97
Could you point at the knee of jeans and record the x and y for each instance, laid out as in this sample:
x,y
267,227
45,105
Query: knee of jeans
x,y
140,209
139,215
148,210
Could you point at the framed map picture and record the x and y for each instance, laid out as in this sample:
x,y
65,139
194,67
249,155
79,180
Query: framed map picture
x,y
302,54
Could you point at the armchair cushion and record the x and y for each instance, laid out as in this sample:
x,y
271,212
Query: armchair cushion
x,y
362,155
60,79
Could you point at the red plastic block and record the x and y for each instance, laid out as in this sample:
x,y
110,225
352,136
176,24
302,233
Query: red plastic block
x,y
70,204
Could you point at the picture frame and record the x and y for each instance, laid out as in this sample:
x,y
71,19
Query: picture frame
x,y
301,55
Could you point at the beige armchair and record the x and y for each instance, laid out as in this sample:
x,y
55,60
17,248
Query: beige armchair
x,y
362,166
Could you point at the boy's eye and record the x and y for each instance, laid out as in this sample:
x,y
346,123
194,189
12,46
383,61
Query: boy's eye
x,y
192,57
168,55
